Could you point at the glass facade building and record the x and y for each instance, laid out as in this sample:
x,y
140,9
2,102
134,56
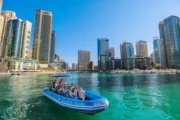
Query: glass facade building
x,y
13,44
114,64
127,51
157,50
1,2
162,44
103,56
170,35
53,45
42,36
140,62
111,53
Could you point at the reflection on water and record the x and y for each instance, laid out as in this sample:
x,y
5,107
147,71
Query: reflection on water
x,y
136,97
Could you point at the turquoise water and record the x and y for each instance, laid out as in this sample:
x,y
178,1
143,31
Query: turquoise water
x,y
131,97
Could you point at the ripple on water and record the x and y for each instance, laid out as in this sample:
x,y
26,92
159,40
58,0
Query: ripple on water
x,y
131,97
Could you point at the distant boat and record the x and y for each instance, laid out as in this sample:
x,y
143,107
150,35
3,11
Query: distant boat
x,y
60,75
93,105
16,73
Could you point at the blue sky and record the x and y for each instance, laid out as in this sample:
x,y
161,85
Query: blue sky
x,y
78,23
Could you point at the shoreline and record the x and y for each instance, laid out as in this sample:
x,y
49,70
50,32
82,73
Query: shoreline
x,y
138,71
134,71
28,73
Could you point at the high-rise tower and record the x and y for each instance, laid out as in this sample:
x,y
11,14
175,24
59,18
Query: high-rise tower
x,y
42,36
103,46
141,48
127,51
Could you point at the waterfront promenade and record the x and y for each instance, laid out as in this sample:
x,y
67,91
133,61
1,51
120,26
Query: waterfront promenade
x,y
133,71
30,73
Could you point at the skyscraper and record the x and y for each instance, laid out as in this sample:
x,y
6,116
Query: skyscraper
x,y
13,43
30,54
6,16
17,40
170,29
57,58
1,2
53,43
162,44
103,46
111,52
83,60
26,39
141,48
127,51
1,27
1,48
157,50
91,65
74,66
152,56
42,36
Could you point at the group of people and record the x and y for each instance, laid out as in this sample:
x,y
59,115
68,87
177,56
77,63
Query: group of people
x,y
67,90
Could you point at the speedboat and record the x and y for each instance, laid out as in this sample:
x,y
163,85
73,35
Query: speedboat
x,y
93,105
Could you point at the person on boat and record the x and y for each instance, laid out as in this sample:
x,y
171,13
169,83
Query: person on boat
x,y
61,91
65,91
81,94
75,92
61,82
70,93
53,86
57,86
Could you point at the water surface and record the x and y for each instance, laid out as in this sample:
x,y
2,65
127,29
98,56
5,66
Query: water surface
x,y
131,97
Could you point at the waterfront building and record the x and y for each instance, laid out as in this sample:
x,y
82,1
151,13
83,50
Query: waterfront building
x,y
56,65
66,66
4,19
74,66
30,54
162,44
103,56
137,62
127,51
157,50
1,2
12,45
17,40
170,34
63,64
91,65
53,45
26,39
114,64
111,52
153,58
83,60
57,58
141,48
20,64
1,32
1,48
42,36
1,27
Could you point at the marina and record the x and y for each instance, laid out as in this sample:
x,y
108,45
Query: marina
x,y
130,96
